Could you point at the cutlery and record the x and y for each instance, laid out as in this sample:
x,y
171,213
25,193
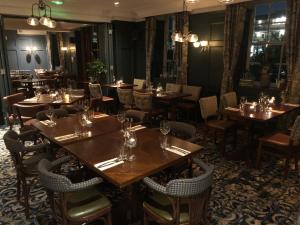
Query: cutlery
x,y
180,149
108,163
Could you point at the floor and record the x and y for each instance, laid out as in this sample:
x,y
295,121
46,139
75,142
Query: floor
x,y
241,195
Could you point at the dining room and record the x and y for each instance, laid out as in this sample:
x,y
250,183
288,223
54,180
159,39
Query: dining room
x,y
150,112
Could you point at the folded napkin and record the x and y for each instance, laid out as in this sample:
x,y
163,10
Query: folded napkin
x,y
100,116
277,111
66,137
291,104
178,151
232,109
137,127
30,99
46,122
108,164
58,101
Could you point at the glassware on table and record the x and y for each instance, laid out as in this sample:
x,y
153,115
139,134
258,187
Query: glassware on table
x,y
50,115
243,101
77,131
83,123
163,141
86,105
121,118
123,153
130,142
164,127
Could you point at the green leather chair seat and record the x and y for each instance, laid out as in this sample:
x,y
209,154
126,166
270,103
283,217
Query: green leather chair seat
x,y
160,205
86,202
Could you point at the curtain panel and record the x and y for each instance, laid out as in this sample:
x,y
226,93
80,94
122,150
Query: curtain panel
x,y
293,51
238,29
150,41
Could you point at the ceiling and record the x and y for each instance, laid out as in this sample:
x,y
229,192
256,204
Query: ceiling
x,y
105,11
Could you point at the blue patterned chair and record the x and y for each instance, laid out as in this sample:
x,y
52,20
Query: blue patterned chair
x,y
25,159
80,202
180,201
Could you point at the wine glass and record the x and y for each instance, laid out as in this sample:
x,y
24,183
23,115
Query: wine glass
x,y
121,118
164,127
50,115
86,105
131,142
83,123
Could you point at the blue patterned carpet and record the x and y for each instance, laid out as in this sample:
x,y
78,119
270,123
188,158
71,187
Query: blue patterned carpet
x,y
241,195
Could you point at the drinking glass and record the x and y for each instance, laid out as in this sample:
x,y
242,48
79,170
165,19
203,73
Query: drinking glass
x,y
50,115
163,141
83,123
121,118
164,127
243,101
131,142
86,105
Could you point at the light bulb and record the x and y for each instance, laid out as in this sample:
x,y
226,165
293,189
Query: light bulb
x,y
204,43
33,21
196,44
51,24
177,36
192,38
44,21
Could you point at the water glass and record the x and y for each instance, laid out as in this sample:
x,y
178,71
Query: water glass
x,y
163,141
121,119
164,127
131,142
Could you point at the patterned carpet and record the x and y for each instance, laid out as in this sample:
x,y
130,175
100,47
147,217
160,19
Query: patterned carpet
x,y
241,195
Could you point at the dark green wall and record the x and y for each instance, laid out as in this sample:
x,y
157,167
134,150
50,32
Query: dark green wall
x,y
206,68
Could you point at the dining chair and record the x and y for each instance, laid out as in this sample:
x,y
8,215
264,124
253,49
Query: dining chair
x,y
281,145
170,87
125,97
139,84
25,160
190,104
180,201
9,101
183,130
79,202
78,92
77,107
98,100
213,122
137,116
57,113
229,100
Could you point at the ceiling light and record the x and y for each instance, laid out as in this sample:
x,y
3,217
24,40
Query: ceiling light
x,y
41,8
57,2
116,4
191,1
225,1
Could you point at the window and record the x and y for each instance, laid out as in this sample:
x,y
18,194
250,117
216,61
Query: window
x,y
267,52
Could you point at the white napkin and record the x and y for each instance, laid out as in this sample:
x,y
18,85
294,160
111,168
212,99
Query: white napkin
x,y
100,116
108,164
178,151
277,111
46,122
58,101
137,127
30,99
232,109
66,137
291,104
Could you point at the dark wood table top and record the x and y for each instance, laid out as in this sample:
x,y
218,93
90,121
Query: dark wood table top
x,y
31,80
101,124
254,114
47,99
122,85
150,158
166,96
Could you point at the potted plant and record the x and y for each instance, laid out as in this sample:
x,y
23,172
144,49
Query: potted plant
x,y
96,71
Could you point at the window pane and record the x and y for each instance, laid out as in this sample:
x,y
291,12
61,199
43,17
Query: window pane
x,y
273,53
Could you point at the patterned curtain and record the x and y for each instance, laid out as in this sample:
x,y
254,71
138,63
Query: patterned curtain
x,y
239,20
293,51
60,43
150,39
181,49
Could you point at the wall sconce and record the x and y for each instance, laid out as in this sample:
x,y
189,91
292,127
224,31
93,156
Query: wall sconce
x,y
64,49
204,44
31,50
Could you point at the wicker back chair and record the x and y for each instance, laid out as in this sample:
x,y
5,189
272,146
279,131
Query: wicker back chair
x,y
125,97
25,165
180,201
229,100
143,101
138,84
95,91
9,101
80,202
182,130
137,116
170,87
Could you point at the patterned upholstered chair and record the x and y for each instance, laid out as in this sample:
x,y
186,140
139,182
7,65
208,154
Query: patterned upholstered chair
x,y
281,145
57,113
25,159
138,84
190,105
143,101
180,201
80,202
125,97
98,100
183,130
170,87
138,117
211,116
229,100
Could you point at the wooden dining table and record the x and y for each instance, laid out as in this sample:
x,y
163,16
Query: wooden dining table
x,y
150,157
50,100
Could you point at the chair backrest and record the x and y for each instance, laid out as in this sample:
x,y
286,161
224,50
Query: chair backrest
x,y
14,146
50,180
143,101
295,134
29,111
136,115
170,87
182,130
10,100
79,92
194,91
140,84
57,113
125,96
229,99
95,90
208,107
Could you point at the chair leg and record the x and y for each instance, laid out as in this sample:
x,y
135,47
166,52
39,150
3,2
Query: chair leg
x,y
26,198
258,156
224,144
108,219
18,188
287,165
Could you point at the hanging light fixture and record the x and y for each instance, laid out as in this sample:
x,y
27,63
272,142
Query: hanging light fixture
x,y
44,10
177,36
225,1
